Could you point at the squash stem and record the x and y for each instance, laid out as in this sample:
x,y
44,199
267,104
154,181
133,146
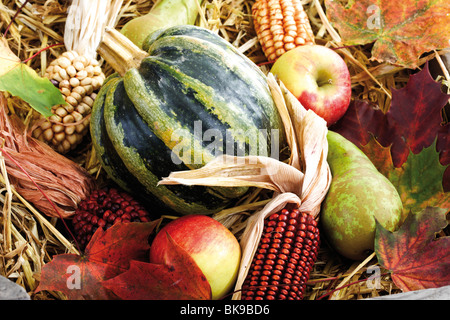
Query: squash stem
x,y
120,52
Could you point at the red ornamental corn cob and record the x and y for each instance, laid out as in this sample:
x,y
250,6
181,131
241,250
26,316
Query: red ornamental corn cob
x,y
103,208
284,258
281,25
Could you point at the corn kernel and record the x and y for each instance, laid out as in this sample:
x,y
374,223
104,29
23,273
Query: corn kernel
x,y
78,78
281,25
284,257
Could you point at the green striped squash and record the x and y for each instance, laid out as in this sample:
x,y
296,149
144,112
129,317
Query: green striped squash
x,y
193,97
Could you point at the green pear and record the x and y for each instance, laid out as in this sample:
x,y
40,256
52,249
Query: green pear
x,y
164,13
358,195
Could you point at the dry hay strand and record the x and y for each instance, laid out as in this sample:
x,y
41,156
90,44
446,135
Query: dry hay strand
x,y
29,240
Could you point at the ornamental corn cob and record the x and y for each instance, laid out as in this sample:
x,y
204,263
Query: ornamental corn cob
x,y
281,25
78,78
284,258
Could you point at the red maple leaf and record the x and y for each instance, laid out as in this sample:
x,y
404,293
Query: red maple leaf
x,y
108,254
178,278
362,121
416,258
416,114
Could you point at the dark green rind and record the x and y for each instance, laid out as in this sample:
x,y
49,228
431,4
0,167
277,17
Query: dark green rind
x,y
145,156
103,147
221,86
191,75
107,155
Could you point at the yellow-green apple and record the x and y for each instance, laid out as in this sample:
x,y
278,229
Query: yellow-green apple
x,y
318,77
213,247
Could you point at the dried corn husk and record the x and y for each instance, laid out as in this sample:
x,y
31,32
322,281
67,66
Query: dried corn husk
x,y
303,182
63,181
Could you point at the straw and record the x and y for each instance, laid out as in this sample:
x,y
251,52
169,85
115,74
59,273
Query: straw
x,y
29,240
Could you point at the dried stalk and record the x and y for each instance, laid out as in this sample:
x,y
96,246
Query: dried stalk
x,y
86,22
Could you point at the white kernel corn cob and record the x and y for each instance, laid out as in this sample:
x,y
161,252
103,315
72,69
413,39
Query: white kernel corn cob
x,y
78,78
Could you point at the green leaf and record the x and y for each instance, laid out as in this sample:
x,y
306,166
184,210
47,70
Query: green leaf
x,y
419,181
22,81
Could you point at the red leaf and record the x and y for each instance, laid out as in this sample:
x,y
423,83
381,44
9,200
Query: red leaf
x,y
108,254
416,259
361,122
179,278
416,114
443,146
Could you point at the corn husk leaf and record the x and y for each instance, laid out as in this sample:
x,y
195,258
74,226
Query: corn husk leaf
x,y
86,22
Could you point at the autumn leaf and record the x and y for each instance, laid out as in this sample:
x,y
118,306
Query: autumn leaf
x,y
362,121
400,30
416,114
7,58
379,155
22,81
415,258
419,181
443,146
178,278
413,122
108,254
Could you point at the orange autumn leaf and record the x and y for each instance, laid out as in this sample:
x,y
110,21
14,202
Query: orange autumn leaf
x,y
379,155
401,30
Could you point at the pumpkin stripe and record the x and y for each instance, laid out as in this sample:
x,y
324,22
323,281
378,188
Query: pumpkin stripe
x,y
231,81
192,98
142,153
168,129
207,62
111,161
185,111
104,149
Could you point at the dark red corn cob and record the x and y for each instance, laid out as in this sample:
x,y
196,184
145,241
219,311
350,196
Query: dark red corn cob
x,y
103,208
284,259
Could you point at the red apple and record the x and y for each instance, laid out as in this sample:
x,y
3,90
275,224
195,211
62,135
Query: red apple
x,y
318,77
212,246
